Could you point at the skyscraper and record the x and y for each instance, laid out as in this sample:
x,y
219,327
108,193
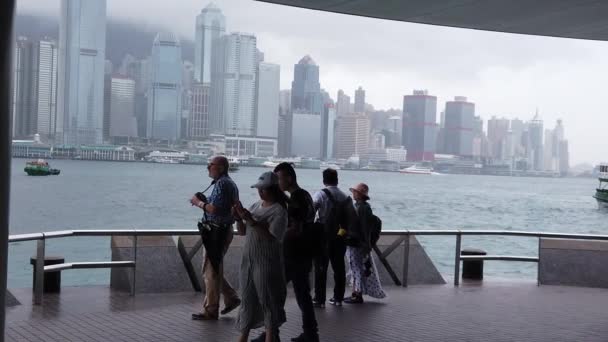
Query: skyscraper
x,y
328,130
199,112
420,125
82,44
23,102
549,162
239,82
107,98
210,27
47,88
269,82
305,88
342,104
122,108
497,132
459,116
535,136
352,135
360,100
165,91
284,136
306,134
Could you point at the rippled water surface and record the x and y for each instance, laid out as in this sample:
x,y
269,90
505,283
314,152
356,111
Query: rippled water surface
x,y
96,195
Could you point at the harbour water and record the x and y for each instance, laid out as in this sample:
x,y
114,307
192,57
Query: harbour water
x,y
107,195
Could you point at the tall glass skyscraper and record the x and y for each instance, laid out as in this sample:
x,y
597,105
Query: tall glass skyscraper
x,y
239,84
23,103
165,90
82,44
47,55
305,88
210,27
420,126
269,82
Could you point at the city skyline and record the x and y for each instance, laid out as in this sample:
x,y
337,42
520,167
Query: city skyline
x,y
372,93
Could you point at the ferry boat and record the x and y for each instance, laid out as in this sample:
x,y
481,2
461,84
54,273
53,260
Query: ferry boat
x,y
39,168
234,164
417,170
601,193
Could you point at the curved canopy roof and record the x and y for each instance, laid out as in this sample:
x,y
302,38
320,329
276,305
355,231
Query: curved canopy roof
x,y
584,19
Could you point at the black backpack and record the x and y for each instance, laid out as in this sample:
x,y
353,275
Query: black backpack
x,y
376,229
339,216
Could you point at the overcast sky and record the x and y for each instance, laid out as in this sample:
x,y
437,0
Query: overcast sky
x,y
503,74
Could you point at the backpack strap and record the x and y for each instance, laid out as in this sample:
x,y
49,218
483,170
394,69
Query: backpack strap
x,y
329,195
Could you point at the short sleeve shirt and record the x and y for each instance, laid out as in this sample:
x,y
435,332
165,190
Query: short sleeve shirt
x,y
224,195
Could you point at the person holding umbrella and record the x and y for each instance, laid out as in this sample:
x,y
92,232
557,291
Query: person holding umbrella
x,y
216,232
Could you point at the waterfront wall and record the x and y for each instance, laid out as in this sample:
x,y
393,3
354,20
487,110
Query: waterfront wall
x,y
573,262
161,269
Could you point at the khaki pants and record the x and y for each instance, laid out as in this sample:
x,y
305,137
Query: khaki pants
x,y
215,283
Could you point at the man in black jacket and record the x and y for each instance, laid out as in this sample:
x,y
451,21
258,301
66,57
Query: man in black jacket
x,y
298,247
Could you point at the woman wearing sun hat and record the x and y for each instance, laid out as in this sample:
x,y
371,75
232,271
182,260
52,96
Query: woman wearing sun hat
x,y
363,273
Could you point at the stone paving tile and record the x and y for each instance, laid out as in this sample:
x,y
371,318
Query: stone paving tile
x,y
493,312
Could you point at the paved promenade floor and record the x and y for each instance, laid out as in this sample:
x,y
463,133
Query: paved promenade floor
x,y
496,311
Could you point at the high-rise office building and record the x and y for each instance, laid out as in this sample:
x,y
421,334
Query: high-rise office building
x,y
23,102
564,160
360,100
306,134
342,104
239,84
305,88
268,100
209,61
210,27
328,130
497,131
284,135
420,126
82,44
47,56
107,99
549,161
535,150
199,112
352,135
187,82
517,128
459,118
165,90
122,108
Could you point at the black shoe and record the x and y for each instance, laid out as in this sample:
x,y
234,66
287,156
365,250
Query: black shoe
x,y
354,300
318,304
304,337
335,302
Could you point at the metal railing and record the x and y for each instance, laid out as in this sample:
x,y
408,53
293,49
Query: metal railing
x,y
403,236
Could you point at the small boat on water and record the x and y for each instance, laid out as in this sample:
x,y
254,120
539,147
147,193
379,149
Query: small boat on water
x,y
417,170
233,164
601,193
40,168
270,164
327,165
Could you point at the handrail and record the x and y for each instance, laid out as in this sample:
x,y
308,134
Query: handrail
x,y
403,236
422,232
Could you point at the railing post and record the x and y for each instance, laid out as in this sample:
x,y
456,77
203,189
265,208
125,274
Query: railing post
x,y
39,285
406,259
133,282
538,264
457,260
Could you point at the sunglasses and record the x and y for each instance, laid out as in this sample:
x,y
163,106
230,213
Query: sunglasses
x,y
211,165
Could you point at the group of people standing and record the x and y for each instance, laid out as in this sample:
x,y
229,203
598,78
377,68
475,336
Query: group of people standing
x,y
287,232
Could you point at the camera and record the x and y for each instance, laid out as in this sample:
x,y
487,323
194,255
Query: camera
x,y
201,197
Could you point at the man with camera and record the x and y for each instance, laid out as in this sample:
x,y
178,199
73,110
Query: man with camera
x,y
216,231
